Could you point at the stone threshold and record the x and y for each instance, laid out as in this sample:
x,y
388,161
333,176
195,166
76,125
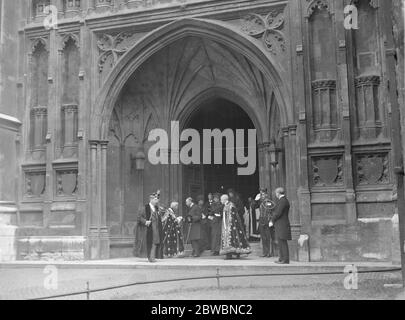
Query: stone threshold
x,y
265,264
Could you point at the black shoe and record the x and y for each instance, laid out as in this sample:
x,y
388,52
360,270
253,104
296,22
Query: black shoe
x,y
282,262
264,256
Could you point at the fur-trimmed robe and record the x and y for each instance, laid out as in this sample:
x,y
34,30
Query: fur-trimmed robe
x,y
145,237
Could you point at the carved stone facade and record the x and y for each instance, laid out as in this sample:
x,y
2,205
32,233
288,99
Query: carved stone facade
x,y
89,91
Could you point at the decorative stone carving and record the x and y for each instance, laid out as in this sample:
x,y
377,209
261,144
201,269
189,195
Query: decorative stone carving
x,y
327,171
35,184
323,85
67,183
375,4
367,81
372,169
324,107
367,102
71,7
112,48
37,42
65,37
317,5
267,28
38,8
103,3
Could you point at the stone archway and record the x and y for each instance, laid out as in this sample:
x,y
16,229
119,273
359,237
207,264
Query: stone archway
x,y
159,80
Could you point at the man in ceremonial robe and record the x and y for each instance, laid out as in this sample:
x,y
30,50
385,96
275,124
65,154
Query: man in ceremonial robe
x,y
234,197
172,229
233,240
149,231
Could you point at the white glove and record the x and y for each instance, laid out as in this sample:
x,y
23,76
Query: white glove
x,y
271,224
258,197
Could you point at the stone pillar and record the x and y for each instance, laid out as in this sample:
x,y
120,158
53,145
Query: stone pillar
x,y
83,124
264,165
9,152
292,157
98,236
298,83
398,99
175,180
165,178
343,95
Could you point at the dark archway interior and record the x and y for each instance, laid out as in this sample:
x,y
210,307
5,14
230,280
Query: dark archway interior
x,y
203,179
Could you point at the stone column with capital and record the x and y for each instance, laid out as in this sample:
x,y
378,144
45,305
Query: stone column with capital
x,y
299,96
98,247
264,166
293,174
10,129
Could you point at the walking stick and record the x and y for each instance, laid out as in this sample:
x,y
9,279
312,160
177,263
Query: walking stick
x,y
188,234
188,237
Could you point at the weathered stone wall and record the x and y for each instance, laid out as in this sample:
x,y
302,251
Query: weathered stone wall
x,y
77,194
9,129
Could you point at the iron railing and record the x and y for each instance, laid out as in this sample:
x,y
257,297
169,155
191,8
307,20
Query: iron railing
x,y
218,277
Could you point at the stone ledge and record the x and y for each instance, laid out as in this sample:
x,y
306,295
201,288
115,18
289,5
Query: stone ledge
x,y
263,264
8,250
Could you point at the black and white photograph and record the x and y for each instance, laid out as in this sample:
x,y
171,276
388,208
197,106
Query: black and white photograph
x,y
202,155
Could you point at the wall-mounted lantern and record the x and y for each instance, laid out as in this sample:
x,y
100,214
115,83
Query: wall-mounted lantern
x,y
273,155
139,160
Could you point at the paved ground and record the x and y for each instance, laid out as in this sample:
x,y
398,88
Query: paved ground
x,y
26,280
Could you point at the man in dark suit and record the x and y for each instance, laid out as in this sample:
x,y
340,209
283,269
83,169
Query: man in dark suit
x,y
281,225
194,217
150,222
215,218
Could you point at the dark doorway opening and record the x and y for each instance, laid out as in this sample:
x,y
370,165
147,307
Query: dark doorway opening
x,y
204,179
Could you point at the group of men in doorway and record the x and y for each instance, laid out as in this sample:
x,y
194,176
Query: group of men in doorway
x,y
217,225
